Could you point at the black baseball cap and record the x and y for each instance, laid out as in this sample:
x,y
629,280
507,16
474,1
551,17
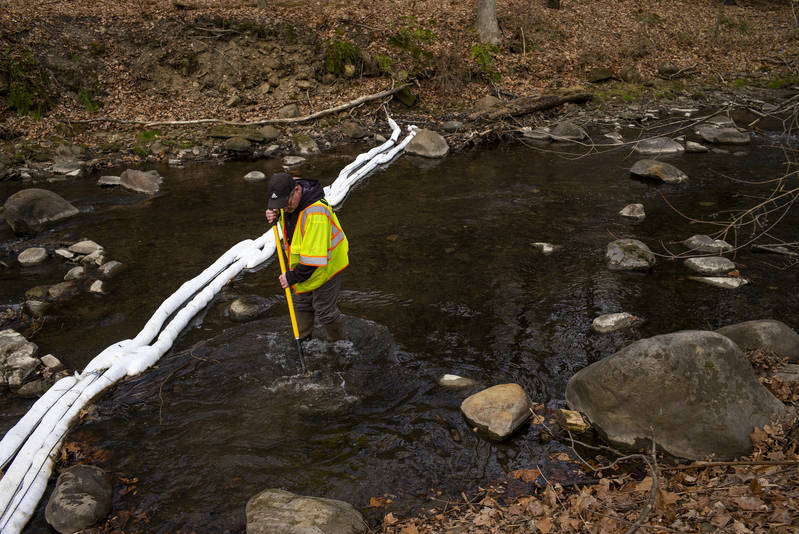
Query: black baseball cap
x,y
281,185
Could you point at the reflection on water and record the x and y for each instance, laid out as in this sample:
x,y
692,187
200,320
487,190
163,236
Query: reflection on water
x,y
443,279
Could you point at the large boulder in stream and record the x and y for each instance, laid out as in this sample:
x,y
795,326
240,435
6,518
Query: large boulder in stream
x,y
276,511
29,211
767,334
81,498
428,144
695,391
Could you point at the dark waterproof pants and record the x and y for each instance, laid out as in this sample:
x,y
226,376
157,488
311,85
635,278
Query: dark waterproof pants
x,y
322,302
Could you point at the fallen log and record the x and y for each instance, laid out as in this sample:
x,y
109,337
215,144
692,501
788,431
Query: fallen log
x,y
292,120
528,104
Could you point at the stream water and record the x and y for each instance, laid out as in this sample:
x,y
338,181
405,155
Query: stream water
x,y
443,279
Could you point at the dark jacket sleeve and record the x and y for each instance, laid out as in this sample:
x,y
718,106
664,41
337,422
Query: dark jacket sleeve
x,y
300,273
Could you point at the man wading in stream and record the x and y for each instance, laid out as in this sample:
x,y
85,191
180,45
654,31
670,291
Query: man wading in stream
x,y
316,248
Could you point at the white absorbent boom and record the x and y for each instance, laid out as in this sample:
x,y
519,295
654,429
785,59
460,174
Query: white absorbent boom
x,y
33,443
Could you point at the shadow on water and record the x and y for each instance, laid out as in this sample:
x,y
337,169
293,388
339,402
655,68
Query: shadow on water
x,y
443,279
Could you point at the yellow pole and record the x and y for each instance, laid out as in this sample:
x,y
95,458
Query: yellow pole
x,y
279,250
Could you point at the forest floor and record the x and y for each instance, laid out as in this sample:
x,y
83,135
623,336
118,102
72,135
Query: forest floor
x,y
98,72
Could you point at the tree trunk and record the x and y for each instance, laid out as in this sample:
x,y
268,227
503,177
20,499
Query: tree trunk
x,y
487,27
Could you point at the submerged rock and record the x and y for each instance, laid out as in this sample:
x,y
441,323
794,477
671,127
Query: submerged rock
x,y
710,265
32,256
658,146
650,168
81,498
498,410
629,254
290,161
245,309
724,282
633,211
704,243
767,334
276,511
140,181
31,210
610,322
110,268
695,390
109,181
722,135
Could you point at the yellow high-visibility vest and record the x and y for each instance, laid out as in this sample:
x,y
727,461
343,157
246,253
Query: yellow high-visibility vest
x,y
318,240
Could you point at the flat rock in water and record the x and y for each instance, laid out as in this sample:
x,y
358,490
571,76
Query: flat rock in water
x,y
724,282
110,268
633,211
85,247
81,498
32,256
97,287
768,334
695,391
695,148
710,265
75,273
276,511
148,182
629,254
291,161
610,322
498,410
29,211
455,381
428,144
245,309
704,243
109,181
650,168
254,176
722,135
567,131
658,146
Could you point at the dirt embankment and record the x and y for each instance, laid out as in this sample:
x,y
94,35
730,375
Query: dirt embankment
x,y
169,60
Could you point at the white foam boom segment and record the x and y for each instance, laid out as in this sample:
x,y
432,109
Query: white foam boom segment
x,y
33,443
